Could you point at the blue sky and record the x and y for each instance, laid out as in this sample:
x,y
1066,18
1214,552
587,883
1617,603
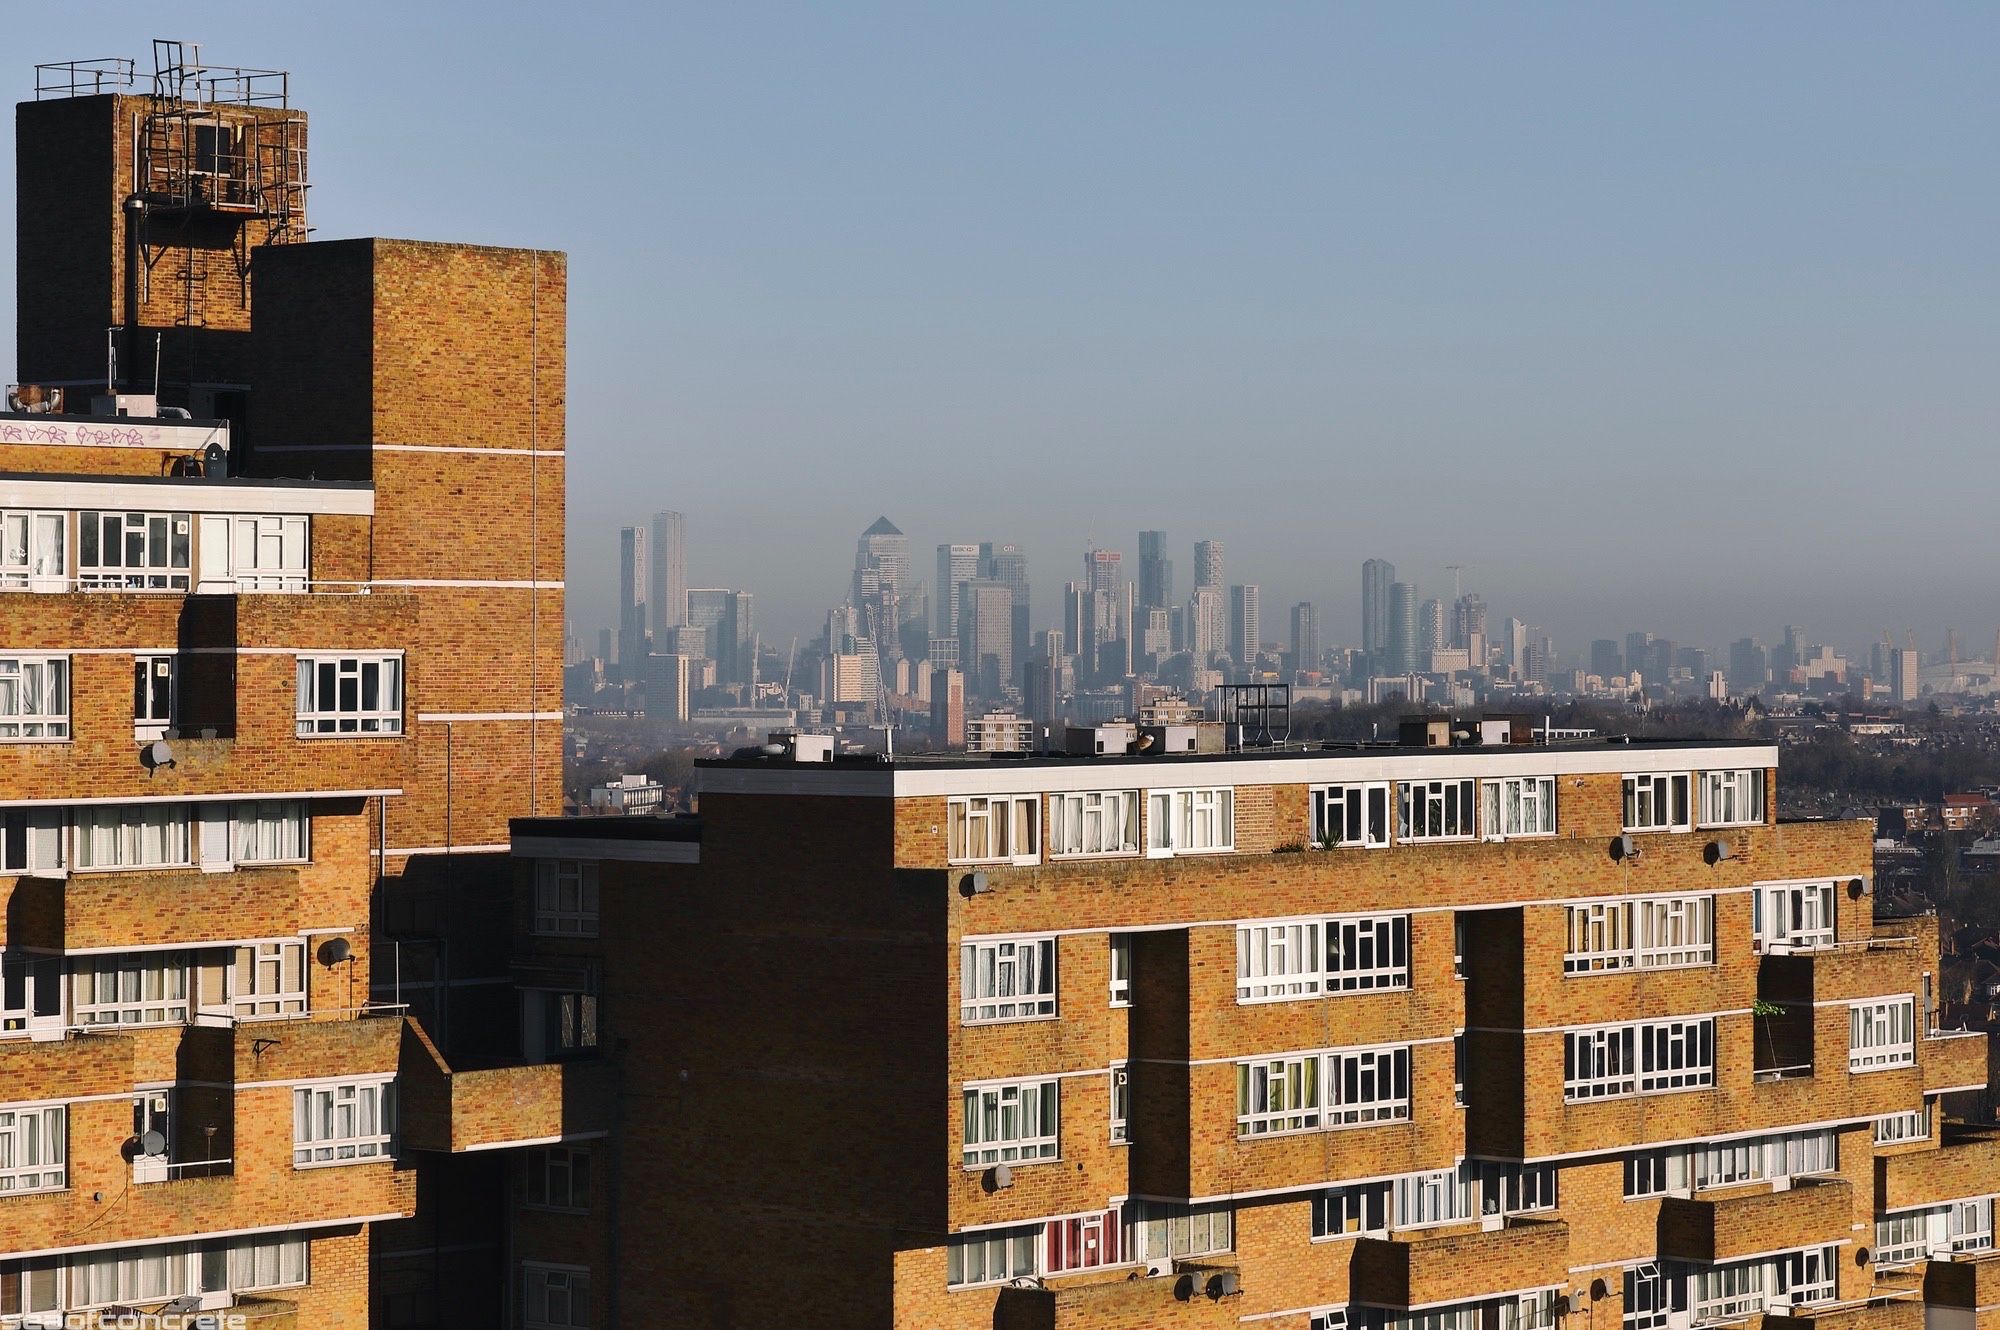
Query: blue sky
x,y
1676,317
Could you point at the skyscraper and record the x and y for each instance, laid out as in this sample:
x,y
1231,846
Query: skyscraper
x,y
1243,626
955,564
1377,575
1305,637
1009,564
668,585
1403,642
1156,571
1208,564
632,573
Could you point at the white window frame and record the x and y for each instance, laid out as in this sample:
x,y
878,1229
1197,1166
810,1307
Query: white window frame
x,y
993,829
328,1117
566,898
111,837
1190,821
1511,807
152,714
325,682
1793,916
34,1148
165,551
541,1281
1874,1040
1448,807
34,550
1011,1122
1733,797
34,697
1657,801
1003,980
270,831
1094,824
1355,814
148,988
552,1179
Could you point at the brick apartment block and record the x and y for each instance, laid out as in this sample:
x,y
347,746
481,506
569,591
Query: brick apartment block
x,y
279,661
1478,1036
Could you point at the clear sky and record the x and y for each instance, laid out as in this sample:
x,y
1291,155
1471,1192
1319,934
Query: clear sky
x,y
1678,317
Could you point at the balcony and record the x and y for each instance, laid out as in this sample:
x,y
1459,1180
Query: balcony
x,y
1726,1225
489,1108
1424,1271
156,908
1964,1164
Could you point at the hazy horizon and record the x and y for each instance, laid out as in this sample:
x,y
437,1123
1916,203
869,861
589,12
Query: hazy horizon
x,y
1668,319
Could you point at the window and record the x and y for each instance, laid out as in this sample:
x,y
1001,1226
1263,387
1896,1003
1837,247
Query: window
x,y
1277,960
1881,1033
1367,953
1792,916
272,831
1162,1230
994,830
1014,1123
34,698
1121,1103
557,1178
153,680
1350,815
1347,1212
1656,933
1434,810
555,1297
1190,821
1081,1242
1011,980
348,1123
1971,1225
1520,1189
1121,969
1519,806
991,1256
1896,1128
268,979
1443,1196
133,551
1657,802
350,695
1368,1085
148,989
1732,798
31,551
133,836
1727,1292
1095,822
1600,937
1655,1173
32,1149
1901,1239
1276,1095
1645,1298
1676,931
1806,1277
1677,1055
1609,1061
565,898
266,553
31,840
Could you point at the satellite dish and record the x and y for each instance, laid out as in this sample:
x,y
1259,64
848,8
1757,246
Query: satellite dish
x,y
334,950
153,1143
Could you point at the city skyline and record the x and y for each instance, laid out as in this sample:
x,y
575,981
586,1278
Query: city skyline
x,y
1608,276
